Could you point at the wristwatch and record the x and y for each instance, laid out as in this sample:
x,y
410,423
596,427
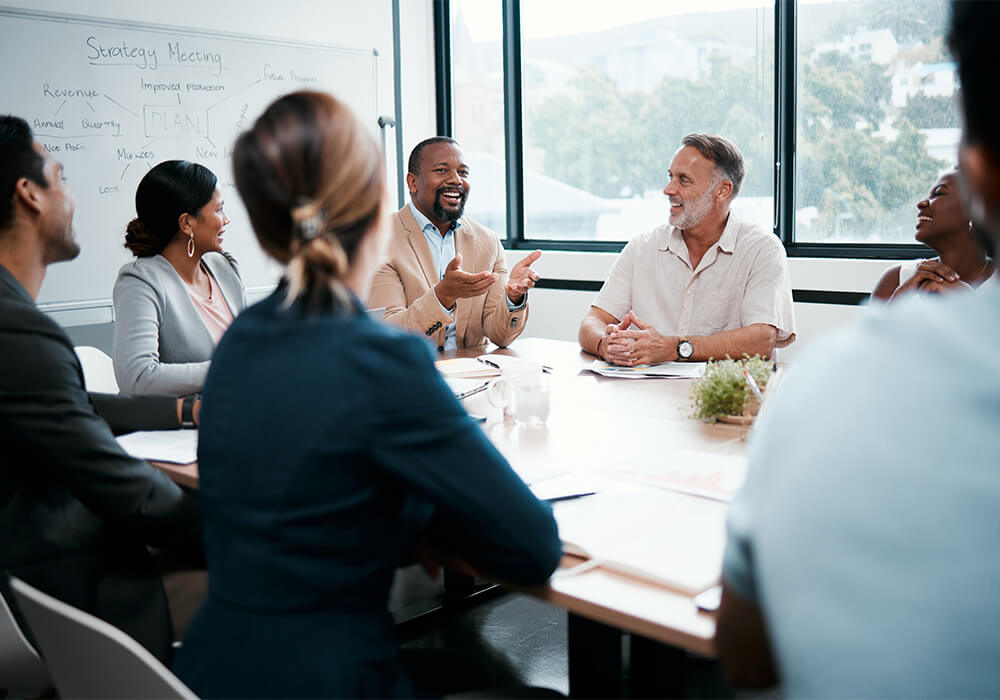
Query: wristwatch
x,y
187,410
684,349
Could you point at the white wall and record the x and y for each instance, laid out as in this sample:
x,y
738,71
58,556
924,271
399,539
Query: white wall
x,y
416,72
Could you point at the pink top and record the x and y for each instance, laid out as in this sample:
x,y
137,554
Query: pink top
x,y
214,310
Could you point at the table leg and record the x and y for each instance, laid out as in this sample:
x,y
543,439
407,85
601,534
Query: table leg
x,y
595,659
656,670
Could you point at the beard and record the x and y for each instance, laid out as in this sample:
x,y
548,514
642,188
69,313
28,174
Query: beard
x,y
442,214
693,212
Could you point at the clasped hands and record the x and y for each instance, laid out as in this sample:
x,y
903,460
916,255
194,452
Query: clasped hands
x,y
933,277
634,342
457,284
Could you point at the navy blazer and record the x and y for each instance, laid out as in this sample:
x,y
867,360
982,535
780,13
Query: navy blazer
x,y
76,511
330,448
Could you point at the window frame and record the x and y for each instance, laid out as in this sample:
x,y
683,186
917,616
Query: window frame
x,y
785,47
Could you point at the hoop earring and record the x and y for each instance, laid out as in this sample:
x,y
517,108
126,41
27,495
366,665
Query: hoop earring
x,y
970,227
191,246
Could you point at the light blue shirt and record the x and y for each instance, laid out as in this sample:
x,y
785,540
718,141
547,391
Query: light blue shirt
x,y
868,529
443,252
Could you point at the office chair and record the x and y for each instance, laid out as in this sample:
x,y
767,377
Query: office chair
x,y
22,671
98,370
89,658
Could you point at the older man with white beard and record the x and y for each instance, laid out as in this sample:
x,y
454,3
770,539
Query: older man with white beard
x,y
703,286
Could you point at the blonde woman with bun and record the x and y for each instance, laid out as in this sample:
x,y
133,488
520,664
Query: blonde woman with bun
x,y
176,299
331,450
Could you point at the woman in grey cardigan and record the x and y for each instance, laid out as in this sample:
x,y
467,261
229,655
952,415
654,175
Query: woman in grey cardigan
x,y
174,301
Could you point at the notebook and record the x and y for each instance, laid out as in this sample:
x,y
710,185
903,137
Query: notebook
x,y
466,386
654,534
466,367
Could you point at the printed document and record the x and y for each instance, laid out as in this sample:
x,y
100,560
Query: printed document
x,y
666,370
175,446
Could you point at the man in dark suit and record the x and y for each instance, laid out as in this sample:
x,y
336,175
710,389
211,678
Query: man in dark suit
x,y
76,511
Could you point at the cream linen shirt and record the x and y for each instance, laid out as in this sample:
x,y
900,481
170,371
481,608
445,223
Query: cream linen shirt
x,y
741,280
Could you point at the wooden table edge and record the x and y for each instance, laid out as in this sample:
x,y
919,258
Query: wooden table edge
x,y
182,474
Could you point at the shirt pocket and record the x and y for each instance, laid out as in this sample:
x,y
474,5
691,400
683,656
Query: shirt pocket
x,y
721,311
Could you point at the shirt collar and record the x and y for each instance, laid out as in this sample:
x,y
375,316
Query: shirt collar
x,y
7,278
671,238
423,222
727,242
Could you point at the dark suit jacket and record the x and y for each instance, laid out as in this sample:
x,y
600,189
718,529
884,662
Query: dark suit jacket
x,y
76,511
330,447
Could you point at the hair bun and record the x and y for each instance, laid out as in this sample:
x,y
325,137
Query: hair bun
x,y
140,240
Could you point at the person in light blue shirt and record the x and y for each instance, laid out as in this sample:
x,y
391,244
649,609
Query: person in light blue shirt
x,y
864,549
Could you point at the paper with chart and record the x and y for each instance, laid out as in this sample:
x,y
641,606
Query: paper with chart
x,y
654,534
665,370
708,474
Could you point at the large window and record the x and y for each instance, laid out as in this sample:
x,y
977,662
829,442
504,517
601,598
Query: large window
x,y
876,119
610,88
607,89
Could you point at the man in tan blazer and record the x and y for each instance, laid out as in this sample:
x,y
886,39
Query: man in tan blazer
x,y
446,275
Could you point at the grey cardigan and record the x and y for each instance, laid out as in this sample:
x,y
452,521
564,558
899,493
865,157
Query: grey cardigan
x,y
161,344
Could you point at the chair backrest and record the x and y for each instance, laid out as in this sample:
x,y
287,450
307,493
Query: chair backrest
x,y
98,370
22,671
89,658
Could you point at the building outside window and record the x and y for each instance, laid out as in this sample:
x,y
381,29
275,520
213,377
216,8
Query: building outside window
x,y
876,120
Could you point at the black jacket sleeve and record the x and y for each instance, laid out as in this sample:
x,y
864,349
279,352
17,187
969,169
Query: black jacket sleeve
x,y
63,443
126,414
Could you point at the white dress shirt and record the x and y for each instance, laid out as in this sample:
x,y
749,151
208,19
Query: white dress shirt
x,y
741,280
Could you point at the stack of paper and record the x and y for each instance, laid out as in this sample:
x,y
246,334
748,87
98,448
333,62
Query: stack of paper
x,y
466,386
466,367
666,370
658,535
176,446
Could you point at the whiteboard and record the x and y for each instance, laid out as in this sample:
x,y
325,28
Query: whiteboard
x,y
111,99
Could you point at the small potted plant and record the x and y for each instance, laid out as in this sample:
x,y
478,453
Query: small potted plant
x,y
723,392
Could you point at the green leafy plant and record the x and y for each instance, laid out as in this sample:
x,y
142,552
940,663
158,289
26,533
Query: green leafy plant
x,y
723,390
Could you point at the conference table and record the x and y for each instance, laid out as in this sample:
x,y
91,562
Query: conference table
x,y
599,426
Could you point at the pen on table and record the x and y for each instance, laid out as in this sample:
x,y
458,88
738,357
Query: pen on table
x,y
569,497
753,386
496,365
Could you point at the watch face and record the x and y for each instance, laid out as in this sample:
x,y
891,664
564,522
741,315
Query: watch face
x,y
685,349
